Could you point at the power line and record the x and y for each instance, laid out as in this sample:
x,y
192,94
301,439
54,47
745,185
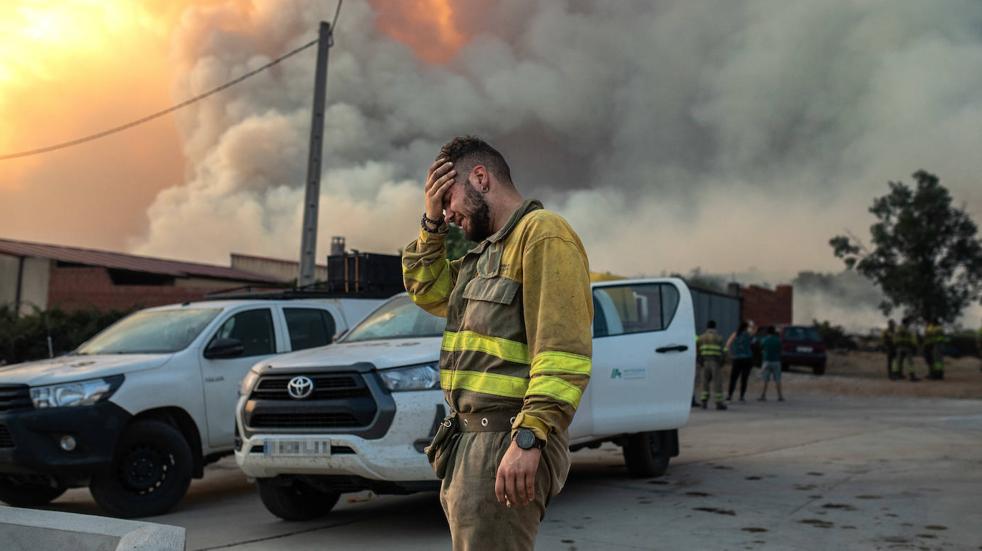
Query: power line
x,y
158,114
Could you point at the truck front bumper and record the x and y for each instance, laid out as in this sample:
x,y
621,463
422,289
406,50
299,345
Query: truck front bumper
x,y
30,440
397,456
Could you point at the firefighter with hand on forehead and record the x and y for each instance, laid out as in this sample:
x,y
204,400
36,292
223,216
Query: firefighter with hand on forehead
x,y
516,354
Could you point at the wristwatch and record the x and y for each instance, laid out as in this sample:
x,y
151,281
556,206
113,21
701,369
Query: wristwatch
x,y
526,439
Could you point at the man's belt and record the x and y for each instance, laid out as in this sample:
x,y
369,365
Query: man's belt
x,y
485,422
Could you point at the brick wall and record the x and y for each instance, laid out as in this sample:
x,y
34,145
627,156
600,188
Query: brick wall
x,y
90,288
766,306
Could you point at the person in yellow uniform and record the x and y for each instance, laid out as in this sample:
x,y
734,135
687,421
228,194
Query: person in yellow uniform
x,y
906,342
934,339
890,346
516,354
709,355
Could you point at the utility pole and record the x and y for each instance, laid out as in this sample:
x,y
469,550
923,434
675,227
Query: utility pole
x,y
308,242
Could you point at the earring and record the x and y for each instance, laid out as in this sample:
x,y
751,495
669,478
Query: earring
x,y
486,189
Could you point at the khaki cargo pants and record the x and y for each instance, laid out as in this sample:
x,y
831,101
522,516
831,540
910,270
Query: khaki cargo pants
x,y
477,521
711,370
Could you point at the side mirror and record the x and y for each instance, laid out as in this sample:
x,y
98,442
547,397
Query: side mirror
x,y
224,348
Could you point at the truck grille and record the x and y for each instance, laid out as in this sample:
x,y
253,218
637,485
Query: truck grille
x,y
338,401
15,397
6,441
326,387
304,420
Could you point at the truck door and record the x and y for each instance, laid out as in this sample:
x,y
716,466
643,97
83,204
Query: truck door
x,y
643,357
222,376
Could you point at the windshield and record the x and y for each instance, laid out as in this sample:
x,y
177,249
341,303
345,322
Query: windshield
x,y
802,334
151,332
397,319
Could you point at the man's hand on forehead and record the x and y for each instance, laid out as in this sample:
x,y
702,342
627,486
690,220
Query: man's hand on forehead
x,y
439,178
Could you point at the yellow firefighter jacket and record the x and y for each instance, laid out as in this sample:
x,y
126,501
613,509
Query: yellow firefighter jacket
x,y
934,335
519,311
709,345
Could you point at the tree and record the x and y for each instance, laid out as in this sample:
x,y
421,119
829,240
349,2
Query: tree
x,y
457,244
25,337
834,336
925,255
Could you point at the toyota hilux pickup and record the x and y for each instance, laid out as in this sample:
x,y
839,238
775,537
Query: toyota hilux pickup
x,y
137,411
357,415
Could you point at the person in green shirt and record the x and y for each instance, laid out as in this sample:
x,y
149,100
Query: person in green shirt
x,y
771,367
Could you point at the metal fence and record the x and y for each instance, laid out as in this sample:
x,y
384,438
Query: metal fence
x,y
715,305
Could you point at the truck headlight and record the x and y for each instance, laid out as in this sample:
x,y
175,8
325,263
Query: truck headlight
x,y
247,383
81,393
414,377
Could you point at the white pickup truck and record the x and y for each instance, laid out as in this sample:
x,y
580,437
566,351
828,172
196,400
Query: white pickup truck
x,y
356,415
138,410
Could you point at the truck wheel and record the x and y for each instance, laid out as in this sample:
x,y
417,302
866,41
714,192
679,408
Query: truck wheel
x,y
151,472
291,499
819,369
644,455
28,491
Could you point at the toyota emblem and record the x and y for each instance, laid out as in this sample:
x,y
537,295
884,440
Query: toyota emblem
x,y
300,387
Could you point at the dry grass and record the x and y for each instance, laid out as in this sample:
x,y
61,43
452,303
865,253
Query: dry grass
x,y
864,374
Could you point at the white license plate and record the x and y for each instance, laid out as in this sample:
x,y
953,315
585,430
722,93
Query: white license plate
x,y
297,448
804,349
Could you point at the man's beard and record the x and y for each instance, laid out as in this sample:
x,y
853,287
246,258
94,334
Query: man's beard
x,y
479,220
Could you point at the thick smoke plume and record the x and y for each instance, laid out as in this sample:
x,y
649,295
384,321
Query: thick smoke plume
x,y
735,136
844,298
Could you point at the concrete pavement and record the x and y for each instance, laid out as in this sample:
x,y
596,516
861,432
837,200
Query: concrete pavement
x,y
811,473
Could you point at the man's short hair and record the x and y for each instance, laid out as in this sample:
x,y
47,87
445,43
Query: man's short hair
x,y
711,324
470,151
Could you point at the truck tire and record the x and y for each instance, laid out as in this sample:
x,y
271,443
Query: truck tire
x,y
150,473
645,456
291,499
20,491
819,369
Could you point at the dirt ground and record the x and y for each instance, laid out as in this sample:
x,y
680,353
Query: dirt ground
x,y
864,374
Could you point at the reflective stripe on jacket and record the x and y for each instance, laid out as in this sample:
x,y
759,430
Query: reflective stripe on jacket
x,y
934,334
709,344
519,309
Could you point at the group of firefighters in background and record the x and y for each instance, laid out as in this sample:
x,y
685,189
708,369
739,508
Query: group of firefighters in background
x,y
901,342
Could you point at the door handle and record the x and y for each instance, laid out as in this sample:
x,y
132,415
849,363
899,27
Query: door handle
x,y
672,348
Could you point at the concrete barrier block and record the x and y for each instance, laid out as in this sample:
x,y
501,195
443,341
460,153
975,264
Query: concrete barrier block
x,y
36,530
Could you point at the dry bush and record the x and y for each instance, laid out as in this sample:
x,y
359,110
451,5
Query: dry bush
x,y
864,374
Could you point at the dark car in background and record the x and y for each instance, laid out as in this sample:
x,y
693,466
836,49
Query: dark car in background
x,y
802,345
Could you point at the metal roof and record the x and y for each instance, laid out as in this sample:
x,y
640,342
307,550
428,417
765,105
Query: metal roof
x,y
120,261
271,259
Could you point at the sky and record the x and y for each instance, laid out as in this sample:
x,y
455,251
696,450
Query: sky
x,y
736,137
